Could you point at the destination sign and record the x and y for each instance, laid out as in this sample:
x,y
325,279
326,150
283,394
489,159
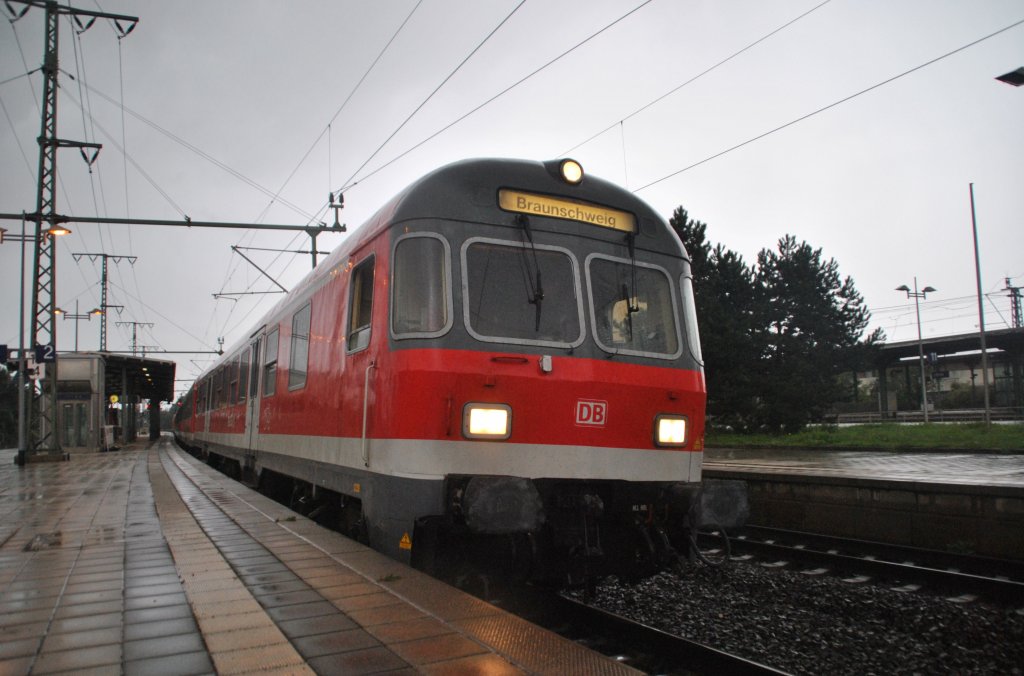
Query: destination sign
x,y
560,207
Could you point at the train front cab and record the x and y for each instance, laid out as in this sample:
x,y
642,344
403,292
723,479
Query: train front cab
x,y
577,343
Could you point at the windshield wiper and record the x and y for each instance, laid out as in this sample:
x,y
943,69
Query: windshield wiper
x,y
629,295
538,298
534,286
630,309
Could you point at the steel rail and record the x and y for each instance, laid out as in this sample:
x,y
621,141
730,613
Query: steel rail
x,y
866,562
667,652
930,558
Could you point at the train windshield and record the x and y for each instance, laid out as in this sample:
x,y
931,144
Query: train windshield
x,y
633,308
521,293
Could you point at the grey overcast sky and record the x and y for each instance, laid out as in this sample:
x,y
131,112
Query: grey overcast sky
x,y
208,109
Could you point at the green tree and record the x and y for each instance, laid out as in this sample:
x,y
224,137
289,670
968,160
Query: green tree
x,y
731,326
815,320
775,336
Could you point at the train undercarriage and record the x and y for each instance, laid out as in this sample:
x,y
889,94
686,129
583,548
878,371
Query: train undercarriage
x,y
553,531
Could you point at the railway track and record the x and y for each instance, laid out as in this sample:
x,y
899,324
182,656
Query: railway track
x,y
909,569
645,648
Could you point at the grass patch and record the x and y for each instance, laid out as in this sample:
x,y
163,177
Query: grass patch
x,y
935,436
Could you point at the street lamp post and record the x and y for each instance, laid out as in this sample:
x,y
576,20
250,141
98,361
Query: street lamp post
x,y
916,295
77,317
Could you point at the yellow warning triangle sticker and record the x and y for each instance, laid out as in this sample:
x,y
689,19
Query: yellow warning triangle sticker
x,y
406,542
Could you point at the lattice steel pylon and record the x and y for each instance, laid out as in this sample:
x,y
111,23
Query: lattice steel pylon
x,y
44,288
1015,311
43,435
104,306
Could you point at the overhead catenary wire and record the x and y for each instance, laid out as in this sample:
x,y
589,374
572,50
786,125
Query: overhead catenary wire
x,y
121,34
201,153
696,77
456,121
342,107
276,196
128,159
436,89
829,106
89,134
24,62
161,315
10,123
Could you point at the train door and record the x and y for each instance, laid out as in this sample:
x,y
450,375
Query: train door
x,y
207,406
358,330
252,416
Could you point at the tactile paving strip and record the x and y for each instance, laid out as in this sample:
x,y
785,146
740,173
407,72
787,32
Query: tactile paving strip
x,y
241,637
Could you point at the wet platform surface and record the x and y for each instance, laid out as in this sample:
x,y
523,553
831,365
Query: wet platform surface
x,y
145,561
969,469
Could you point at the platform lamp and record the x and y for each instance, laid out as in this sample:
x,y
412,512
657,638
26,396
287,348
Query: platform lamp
x,y
916,295
95,312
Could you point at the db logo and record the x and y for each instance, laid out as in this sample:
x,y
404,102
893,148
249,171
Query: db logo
x,y
591,412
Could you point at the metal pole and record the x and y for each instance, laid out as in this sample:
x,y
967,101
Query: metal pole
x,y
103,306
920,351
22,440
981,311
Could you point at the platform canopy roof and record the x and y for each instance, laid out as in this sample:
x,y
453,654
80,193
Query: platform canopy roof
x,y
1008,340
147,378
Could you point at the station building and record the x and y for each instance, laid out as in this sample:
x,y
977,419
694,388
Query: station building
x,y
99,395
954,379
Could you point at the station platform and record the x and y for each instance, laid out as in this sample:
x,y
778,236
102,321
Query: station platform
x,y
968,502
146,561
978,469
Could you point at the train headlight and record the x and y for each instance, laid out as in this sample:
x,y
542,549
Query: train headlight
x,y
487,421
670,430
571,171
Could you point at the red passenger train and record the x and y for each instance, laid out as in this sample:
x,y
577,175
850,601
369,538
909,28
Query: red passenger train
x,y
506,352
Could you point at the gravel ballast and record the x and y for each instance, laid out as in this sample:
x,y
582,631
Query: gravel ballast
x,y
820,624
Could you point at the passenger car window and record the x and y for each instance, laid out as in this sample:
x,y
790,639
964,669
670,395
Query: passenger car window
x,y
243,375
254,371
360,305
633,308
524,294
299,355
270,364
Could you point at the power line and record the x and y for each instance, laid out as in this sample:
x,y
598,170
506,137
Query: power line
x,y
497,96
204,155
829,106
436,89
696,77
341,108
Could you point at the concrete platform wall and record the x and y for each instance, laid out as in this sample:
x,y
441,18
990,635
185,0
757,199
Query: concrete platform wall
x,y
984,520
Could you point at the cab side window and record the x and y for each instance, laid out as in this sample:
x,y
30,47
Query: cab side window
x,y
360,305
421,297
